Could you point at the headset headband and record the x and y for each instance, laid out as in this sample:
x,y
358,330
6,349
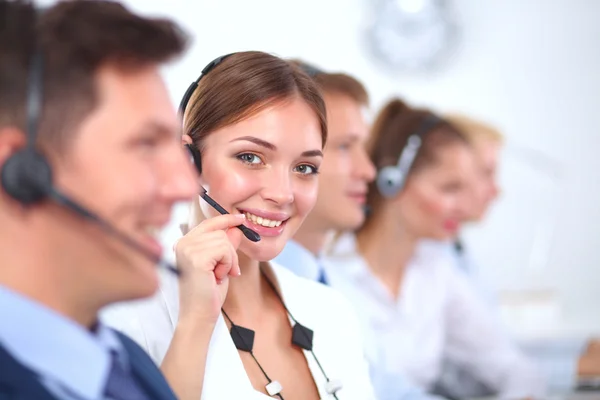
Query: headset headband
x,y
190,90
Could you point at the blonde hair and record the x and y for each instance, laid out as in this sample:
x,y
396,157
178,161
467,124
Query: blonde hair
x,y
474,130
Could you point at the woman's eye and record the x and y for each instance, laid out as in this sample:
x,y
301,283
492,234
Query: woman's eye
x,y
305,169
249,158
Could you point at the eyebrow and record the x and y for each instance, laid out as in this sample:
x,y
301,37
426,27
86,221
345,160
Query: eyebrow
x,y
272,147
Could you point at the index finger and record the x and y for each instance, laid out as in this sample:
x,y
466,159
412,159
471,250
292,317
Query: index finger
x,y
221,222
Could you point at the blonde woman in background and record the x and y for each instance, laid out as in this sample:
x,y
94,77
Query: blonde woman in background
x,y
562,366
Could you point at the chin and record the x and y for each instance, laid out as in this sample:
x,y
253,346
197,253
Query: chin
x,y
263,251
142,283
351,220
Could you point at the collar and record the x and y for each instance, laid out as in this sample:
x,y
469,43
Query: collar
x,y
343,258
300,261
54,346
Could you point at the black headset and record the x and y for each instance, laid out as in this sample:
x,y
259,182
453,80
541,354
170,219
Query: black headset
x,y
391,179
194,152
27,177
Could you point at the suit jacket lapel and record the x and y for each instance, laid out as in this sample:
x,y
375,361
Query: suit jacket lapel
x,y
147,373
18,382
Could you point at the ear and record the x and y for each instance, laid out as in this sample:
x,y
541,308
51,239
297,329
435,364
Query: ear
x,y
186,139
11,140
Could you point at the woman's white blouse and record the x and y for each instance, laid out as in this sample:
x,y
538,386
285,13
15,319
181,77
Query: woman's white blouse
x,y
337,340
437,316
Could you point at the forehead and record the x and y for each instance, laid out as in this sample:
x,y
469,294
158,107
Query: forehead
x,y
128,102
345,116
452,161
487,150
291,124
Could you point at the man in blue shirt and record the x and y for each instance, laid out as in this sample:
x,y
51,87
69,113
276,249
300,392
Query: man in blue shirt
x,y
80,84
344,177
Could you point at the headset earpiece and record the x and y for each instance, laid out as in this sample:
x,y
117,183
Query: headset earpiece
x,y
390,180
196,158
186,98
27,177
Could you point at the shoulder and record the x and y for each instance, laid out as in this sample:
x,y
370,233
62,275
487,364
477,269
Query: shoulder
x,y
338,337
326,308
131,347
146,368
296,286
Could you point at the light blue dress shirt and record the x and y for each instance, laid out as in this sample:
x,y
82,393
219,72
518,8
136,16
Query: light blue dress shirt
x,y
303,263
72,363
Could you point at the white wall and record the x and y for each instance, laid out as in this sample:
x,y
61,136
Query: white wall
x,y
531,67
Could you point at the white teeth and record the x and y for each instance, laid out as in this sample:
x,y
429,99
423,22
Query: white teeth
x,y
263,221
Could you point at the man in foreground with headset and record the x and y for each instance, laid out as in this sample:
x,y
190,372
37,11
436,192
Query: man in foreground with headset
x,y
78,223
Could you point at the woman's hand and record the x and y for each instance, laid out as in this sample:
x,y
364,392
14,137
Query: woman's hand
x,y
207,257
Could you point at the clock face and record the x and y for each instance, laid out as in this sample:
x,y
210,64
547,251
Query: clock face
x,y
411,34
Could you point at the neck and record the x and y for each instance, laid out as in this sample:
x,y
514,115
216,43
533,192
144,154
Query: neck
x,y
387,248
39,270
246,292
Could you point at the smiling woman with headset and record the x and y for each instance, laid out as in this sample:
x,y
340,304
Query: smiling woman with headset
x,y
417,309
255,126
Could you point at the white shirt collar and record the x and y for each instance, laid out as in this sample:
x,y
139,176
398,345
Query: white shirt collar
x,y
55,347
300,261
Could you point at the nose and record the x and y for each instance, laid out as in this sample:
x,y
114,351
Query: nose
x,y
363,166
494,191
277,187
179,178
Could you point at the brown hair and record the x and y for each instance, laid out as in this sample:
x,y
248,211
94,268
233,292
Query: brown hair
x,y
242,85
75,39
337,83
393,126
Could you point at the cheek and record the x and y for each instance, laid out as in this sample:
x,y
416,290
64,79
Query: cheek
x,y
97,188
432,204
305,197
330,170
227,186
331,185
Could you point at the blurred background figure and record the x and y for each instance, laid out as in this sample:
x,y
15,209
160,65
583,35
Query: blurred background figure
x,y
563,365
417,309
486,144
344,177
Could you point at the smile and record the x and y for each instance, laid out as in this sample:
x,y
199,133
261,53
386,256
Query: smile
x,y
262,221
265,223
